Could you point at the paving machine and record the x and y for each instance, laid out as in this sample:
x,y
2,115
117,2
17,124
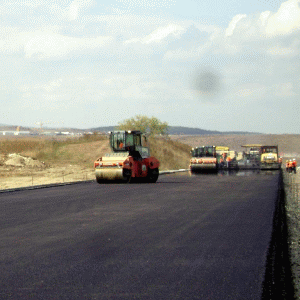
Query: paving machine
x,y
250,158
226,158
130,160
204,159
269,159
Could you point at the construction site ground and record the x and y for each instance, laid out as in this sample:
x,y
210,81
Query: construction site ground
x,y
17,171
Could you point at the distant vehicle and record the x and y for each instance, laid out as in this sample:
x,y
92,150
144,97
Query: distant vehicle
x,y
130,160
203,159
269,159
221,149
251,157
226,158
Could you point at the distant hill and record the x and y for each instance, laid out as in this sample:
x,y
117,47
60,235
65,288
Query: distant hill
x,y
103,129
172,130
190,131
175,130
197,131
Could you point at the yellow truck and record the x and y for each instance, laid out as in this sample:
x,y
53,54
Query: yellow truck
x,y
269,159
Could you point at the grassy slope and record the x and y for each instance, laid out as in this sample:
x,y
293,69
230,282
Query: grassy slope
x,y
80,151
171,154
84,151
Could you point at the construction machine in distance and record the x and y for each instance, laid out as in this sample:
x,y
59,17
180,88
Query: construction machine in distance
x,y
250,159
226,158
204,159
130,160
221,149
269,159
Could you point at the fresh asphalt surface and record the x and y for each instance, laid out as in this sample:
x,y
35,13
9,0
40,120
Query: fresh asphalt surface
x,y
185,237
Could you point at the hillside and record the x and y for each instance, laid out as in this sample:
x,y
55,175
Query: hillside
x,y
172,130
177,130
84,151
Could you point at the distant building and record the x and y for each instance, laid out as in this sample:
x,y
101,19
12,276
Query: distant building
x,y
48,133
22,133
7,132
10,132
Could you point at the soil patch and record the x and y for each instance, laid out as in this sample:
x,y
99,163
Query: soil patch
x,y
21,171
17,160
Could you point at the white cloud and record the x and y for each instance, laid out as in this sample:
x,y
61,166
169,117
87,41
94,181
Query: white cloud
x,y
50,87
263,18
31,3
162,33
252,91
233,23
133,92
9,42
286,20
43,45
283,51
284,90
77,6
147,3
53,85
187,54
26,8
44,102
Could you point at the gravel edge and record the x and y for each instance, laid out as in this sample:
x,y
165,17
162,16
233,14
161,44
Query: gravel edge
x,y
292,206
278,282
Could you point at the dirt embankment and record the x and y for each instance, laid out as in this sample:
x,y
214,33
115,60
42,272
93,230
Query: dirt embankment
x,y
69,163
55,162
20,171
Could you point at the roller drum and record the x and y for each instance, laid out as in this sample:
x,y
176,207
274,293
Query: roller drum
x,y
103,174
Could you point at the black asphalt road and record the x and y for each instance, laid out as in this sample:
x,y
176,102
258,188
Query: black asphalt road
x,y
199,237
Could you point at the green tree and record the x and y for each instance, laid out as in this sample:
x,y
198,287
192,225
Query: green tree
x,y
143,123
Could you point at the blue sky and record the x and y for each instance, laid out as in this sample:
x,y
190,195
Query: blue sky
x,y
214,65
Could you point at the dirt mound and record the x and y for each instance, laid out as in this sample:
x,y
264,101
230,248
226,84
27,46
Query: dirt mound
x,y
17,160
